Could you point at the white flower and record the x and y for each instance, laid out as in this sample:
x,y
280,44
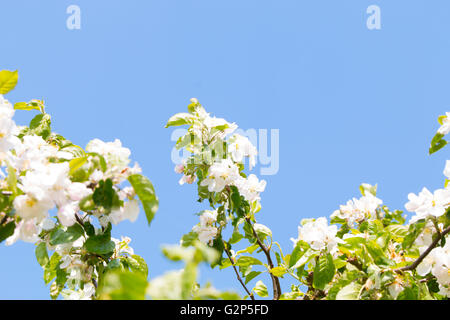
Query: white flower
x,y
96,176
251,187
116,156
447,169
26,230
86,294
126,193
241,147
213,122
65,261
445,127
179,168
28,207
7,126
112,151
221,174
67,212
205,229
428,204
122,246
357,210
395,288
187,179
319,235
77,191
130,211
208,217
427,263
47,224
104,220
33,152
205,234
426,237
438,263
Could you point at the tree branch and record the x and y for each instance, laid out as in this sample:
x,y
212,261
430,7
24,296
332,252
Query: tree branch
x,y
426,252
275,280
238,275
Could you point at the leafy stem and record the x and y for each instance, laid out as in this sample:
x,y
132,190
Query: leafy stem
x,y
237,272
275,280
425,253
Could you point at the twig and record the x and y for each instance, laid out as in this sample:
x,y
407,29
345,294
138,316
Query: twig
x,y
77,217
425,253
4,219
238,275
275,280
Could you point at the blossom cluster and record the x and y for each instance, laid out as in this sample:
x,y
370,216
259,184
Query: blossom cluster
x,y
358,210
65,199
319,235
218,159
45,183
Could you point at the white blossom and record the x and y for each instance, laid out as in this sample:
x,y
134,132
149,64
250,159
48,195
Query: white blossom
x,y
251,187
221,174
445,127
319,235
130,211
241,147
428,204
205,229
357,210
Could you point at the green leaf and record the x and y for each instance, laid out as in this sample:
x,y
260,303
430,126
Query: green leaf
x,y
76,163
32,105
146,193
41,254
437,143
252,275
59,236
188,280
414,231
11,179
51,267
365,187
236,236
117,285
304,259
323,271
260,289
398,230
377,253
41,125
349,292
8,80
177,253
100,244
278,271
247,261
179,119
104,194
137,263
409,294
7,230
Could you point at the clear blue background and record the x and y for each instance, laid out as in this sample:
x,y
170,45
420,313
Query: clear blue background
x,y
352,105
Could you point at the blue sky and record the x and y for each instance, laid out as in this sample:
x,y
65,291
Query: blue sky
x,y
352,105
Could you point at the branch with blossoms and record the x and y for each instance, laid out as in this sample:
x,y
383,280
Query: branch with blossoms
x,y
217,161
357,256
65,199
